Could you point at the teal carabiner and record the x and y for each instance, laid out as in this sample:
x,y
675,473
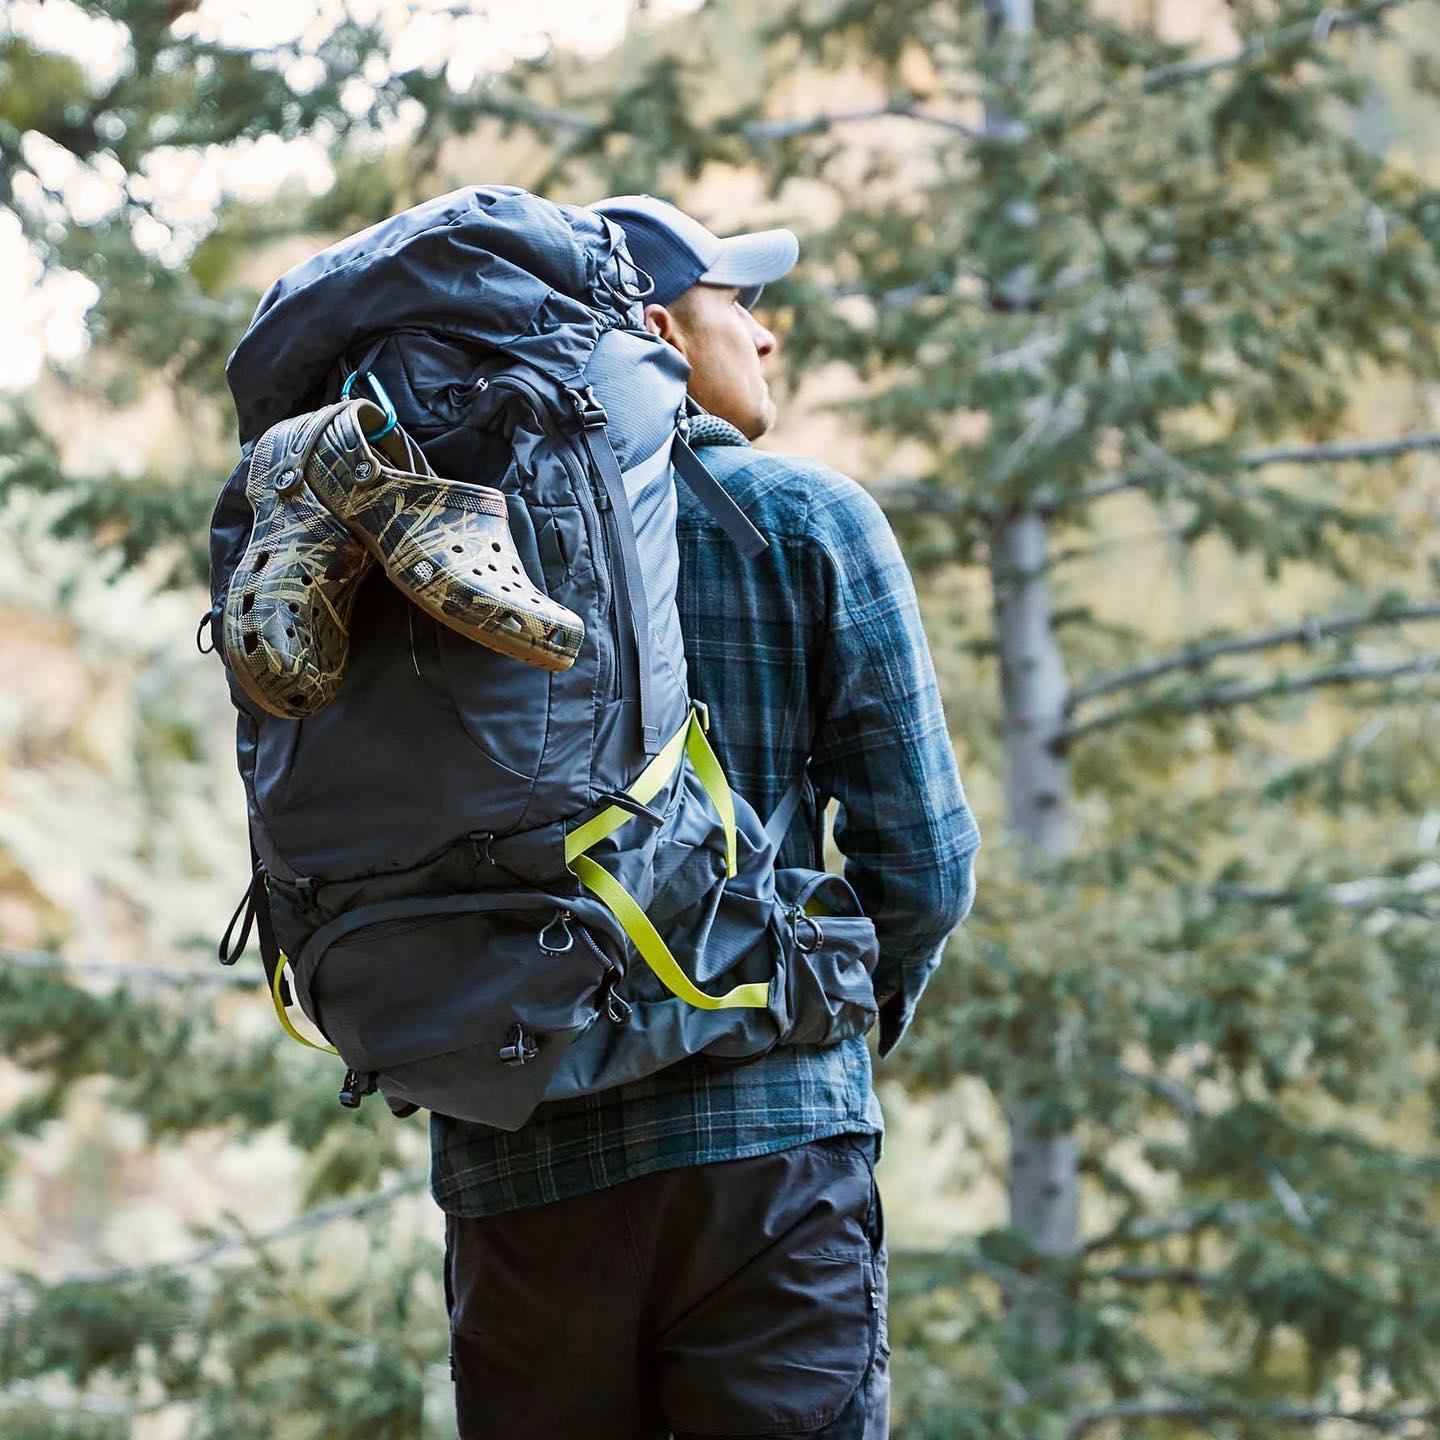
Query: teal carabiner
x,y
380,395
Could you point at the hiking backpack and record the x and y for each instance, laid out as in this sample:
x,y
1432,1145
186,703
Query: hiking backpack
x,y
489,884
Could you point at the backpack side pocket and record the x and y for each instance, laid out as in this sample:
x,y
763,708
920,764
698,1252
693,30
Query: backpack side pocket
x,y
830,957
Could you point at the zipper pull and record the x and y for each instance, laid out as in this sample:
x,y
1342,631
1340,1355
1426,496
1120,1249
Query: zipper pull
x,y
617,1008
208,621
558,944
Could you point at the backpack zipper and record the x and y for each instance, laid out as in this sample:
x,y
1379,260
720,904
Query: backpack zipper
x,y
625,624
615,592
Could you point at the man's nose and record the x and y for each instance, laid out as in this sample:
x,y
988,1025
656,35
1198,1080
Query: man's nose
x,y
765,341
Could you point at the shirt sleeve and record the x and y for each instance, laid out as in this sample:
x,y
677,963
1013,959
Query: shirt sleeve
x,y
882,750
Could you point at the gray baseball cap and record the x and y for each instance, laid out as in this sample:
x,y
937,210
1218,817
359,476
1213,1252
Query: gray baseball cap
x,y
677,251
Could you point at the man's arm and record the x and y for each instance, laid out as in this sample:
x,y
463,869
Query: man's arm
x,y
882,751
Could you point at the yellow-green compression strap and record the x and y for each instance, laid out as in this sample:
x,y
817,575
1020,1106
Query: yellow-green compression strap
x,y
712,777
285,1020
645,789
689,739
655,952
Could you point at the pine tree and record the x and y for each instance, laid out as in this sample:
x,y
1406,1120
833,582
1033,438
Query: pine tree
x,y
1074,269
1074,266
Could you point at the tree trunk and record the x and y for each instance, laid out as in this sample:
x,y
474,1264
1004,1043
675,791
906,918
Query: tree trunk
x,y
1044,1169
1044,1163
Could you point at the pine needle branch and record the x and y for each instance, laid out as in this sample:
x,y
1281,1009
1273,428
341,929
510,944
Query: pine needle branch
x,y
1306,632
1130,1231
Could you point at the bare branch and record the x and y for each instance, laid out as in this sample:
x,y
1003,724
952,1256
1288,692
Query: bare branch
x,y
516,107
1335,452
920,497
1182,1408
1170,1090
816,124
1403,894
1114,486
1307,632
1179,1275
141,974
1303,35
1350,673
1342,450
407,1184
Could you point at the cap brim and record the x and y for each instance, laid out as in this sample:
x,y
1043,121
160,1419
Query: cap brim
x,y
750,261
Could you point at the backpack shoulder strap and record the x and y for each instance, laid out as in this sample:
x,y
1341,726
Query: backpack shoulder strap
x,y
717,500
778,825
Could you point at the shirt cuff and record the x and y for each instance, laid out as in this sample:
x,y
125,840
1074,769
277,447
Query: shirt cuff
x,y
898,992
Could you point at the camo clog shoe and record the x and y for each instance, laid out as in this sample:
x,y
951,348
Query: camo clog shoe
x,y
444,543
286,619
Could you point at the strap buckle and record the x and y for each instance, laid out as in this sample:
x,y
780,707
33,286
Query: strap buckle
x,y
356,1087
588,407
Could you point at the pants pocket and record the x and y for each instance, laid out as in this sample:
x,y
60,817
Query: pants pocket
x,y
783,1345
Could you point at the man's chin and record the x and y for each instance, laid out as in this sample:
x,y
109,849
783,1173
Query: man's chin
x,y
762,421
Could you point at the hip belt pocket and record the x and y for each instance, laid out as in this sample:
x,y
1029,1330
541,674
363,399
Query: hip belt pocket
x,y
464,1004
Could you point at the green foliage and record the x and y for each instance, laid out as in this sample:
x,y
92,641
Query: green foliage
x,y
172,1061
274,1344
1090,270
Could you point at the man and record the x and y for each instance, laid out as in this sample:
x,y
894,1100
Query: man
x,y
702,1253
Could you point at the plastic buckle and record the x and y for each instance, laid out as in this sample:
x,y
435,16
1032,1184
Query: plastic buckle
x,y
591,411
621,801
378,390
703,711
356,1088
522,1047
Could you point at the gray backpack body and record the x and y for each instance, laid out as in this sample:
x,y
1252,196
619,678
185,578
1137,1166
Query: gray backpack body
x,y
489,884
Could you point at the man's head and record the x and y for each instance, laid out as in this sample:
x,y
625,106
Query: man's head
x,y
704,288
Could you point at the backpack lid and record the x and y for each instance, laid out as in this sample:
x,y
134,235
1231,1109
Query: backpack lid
x,y
488,263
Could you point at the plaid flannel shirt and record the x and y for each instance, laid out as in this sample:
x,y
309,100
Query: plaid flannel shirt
x,y
811,652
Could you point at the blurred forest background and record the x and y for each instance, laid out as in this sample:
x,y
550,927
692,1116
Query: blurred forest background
x,y
1128,311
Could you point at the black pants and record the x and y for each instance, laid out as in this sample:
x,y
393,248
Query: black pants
x,y
743,1298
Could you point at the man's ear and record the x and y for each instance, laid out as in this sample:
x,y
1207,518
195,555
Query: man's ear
x,y
659,321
